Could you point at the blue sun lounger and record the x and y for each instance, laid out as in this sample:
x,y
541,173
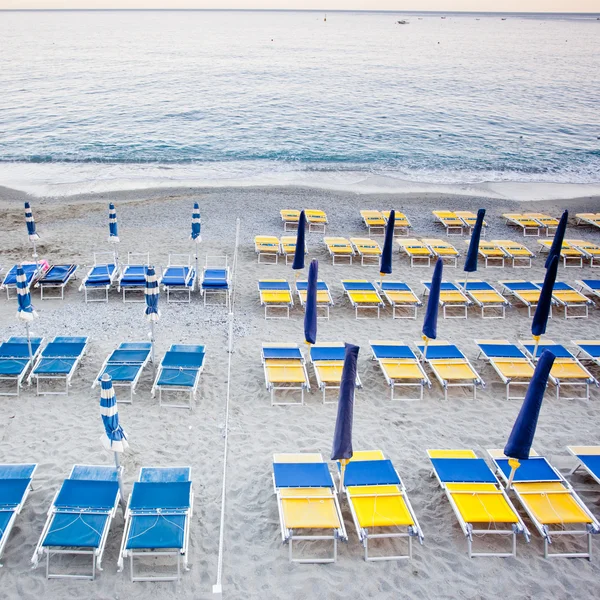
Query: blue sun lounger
x,y
590,285
324,298
285,369
15,360
362,294
132,277
400,296
588,459
79,518
59,361
157,520
527,292
56,278
15,485
215,282
100,277
179,279
32,272
588,350
327,359
125,365
179,371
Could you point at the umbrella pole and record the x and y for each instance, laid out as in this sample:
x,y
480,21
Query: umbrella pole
x,y
514,465
152,345
426,340
343,463
35,254
28,341
537,343
196,258
120,480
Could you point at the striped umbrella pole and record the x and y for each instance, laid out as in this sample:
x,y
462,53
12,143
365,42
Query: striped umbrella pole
x,y
30,222
196,236
113,228
151,294
114,438
25,311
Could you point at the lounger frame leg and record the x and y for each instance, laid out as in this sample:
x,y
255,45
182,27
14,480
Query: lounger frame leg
x,y
50,575
291,539
134,577
403,307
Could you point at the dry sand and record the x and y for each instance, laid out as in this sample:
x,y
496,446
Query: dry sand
x,y
57,431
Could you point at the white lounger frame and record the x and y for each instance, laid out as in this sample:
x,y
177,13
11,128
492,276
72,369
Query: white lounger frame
x,y
112,277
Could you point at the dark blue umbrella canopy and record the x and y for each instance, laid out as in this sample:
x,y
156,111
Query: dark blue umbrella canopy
x,y
542,310
388,246
342,438
431,314
300,243
472,254
521,437
559,236
310,314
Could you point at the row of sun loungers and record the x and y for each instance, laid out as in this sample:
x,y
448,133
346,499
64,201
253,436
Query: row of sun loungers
x,y
376,221
458,222
316,219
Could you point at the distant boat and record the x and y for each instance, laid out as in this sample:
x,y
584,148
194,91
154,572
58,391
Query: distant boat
x,y
325,19
402,22
504,19
442,17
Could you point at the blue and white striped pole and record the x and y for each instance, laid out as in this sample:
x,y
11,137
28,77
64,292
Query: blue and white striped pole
x,y
151,294
196,230
30,222
113,228
25,311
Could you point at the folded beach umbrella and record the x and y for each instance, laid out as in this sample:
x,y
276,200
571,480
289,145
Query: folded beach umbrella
x,y
298,263
151,294
196,235
385,267
342,438
521,437
25,311
113,228
30,222
310,313
114,438
473,252
431,314
559,236
542,310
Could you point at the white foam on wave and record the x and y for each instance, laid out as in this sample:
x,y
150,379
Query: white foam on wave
x,y
69,179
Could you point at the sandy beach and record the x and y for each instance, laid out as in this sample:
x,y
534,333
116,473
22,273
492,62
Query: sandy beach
x,y
58,431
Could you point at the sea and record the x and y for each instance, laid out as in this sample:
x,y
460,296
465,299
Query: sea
x,y
94,101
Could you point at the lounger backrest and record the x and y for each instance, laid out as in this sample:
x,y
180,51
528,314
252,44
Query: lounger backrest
x,y
58,273
97,472
281,352
274,285
19,349
24,471
501,350
87,494
533,469
165,474
463,470
183,360
172,495
444,351
303,286
395,286
392,351
357,286
557,349
63,349
327,353
302,475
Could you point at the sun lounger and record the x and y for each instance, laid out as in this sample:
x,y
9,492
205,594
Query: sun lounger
x,y
510,363
290,218
379,503
285,369
288,248
363,295
566,371
490,251
588,350
469,218
450,366
588,459
79,518
529,225
416,251
339,247
589,250
366,248
374,221
157,520
15,361
400,367
527,292
479,502
307,503
125,365
592,219
402,225
15,485
590,285
179,279
267,246
275,294
59,361
33,272
179,371
486,297
440,249
132,276
56,278
550,224
316,219
572,257
451,297
400,296
327,359
215,280
570,299
551,503
100,277
324,298
454,225
518,253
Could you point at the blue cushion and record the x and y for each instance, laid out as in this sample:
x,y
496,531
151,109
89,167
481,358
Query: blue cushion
x,y
156,531
177,377
128,356
395,286
303,285
58,274
94,472
463,470
76,530
593,284
371,472
592,462
327,352
358,286
591,349
441,352
282,353
532,469
12,491
148,495
477,286
273,285
296,475
63,349
158,474
385,351
557,349
24,471
501,350
13,366
57,366
185,360
521,286
87,494
15,348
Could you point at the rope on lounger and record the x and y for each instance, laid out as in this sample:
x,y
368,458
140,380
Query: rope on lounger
x,y
78,517
547,497
159,515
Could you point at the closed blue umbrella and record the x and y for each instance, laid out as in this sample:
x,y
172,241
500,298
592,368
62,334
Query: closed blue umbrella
x,y
521,437
544,305
431,314
559,236
113,227
151,294
25,311
300,250
30,222
342,438
196,235
310,314
385,268
473,252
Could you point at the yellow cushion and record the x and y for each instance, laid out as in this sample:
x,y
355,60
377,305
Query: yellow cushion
x,y
364,297
374,508
479,504
454,371
315,512
449,297
551,508
566,368
285,371
329,373
402,297
401,368
451,454
570,297
488,297
367,455
513,368
276,297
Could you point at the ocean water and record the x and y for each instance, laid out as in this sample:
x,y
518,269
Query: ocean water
x,y
102,100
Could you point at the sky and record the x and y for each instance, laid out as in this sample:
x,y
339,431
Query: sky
x,y
397,5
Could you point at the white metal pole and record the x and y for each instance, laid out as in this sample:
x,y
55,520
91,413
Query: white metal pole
x,y
152,345
28,340
120,480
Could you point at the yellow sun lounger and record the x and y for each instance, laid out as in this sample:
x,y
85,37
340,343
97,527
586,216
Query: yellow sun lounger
x,y
529,225
549,500
451,221
327,359
451,298
374,221
527,292
490,252
366,248
275,294
572,257
588,458
570,299
517,252
379,503
317,220
285,369
288,247
486,297
307,502
324,299
339,247
549,223
440,249
363,295
470,218
590,250
416,251
592,219
450,366
267,246
400,367
402,225
477,498
290,218
400,297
